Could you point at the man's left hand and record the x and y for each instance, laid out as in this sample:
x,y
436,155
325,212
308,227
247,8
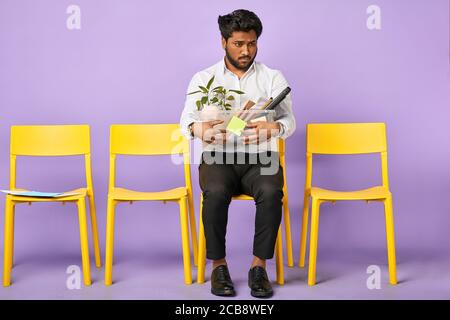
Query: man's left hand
x,y
256,132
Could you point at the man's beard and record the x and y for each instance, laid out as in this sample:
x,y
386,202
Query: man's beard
x,y
235,63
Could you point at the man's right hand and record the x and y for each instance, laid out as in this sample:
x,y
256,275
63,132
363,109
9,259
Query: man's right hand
x,y
206,131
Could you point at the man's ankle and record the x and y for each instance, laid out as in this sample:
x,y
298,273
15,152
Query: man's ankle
x,y
258,262
220,262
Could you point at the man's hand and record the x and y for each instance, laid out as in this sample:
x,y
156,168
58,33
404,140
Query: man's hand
x,y
206,131
259,131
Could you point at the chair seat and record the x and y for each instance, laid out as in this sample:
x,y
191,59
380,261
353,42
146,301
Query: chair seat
x,y
374,193
242,197
73,195
131,195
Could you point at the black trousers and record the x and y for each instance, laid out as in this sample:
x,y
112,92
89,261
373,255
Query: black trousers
x,y
260,178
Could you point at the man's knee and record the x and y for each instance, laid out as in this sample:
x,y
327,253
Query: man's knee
x,y
268,193
217,194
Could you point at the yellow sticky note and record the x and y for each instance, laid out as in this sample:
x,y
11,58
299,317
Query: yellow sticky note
x,y
236,125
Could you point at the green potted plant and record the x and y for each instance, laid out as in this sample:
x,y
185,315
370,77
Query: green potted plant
x,y
218,97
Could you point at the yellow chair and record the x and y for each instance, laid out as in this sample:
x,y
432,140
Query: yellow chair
x,y
343,138
155,139
55,140
278,245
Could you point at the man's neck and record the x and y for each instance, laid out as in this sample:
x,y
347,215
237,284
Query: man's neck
x,y
238,72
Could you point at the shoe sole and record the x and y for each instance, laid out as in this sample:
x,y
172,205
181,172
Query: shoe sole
x,y
257,294
225,293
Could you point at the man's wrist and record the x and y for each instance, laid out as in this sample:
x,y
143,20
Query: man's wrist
x,y
280,128
277,126
191,129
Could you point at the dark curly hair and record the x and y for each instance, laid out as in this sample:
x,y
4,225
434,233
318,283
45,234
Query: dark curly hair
x,y
239,20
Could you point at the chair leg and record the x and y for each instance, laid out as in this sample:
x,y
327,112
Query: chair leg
x,y
193,228
8,242
313,241
109,242
287,230
201,248
98,262
304,232
390,239
185,241
12,232
279,258
84,241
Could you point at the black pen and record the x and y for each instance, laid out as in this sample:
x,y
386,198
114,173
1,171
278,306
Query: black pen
x,y
275,102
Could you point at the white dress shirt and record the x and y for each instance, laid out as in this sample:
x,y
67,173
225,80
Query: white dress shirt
x,y
258,82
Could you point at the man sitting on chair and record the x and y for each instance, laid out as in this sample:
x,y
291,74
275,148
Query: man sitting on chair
x,y
224,173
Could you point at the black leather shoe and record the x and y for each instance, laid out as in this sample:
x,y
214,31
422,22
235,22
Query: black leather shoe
x,y
259,283
221,284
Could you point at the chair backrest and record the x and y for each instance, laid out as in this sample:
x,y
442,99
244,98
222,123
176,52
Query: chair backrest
x,y
55,140
148,139
346,138
282,152
51,140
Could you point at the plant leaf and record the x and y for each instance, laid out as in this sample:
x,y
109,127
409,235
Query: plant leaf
x,y
204,100
237,91
217,89
199,104
203,89
210,82
227,105
230,98
198,91
214,100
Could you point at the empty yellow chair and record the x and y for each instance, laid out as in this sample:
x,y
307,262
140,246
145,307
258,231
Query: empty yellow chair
x,y
154,139
345,138
278,245
55,140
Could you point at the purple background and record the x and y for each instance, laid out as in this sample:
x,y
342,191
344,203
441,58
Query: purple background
x,y
131,63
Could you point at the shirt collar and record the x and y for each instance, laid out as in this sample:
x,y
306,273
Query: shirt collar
x,y
224,68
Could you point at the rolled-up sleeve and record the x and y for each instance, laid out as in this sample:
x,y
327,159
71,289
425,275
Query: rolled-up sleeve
x,y
283,113
188,115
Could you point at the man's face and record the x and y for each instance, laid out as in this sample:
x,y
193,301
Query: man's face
x,y
241,49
